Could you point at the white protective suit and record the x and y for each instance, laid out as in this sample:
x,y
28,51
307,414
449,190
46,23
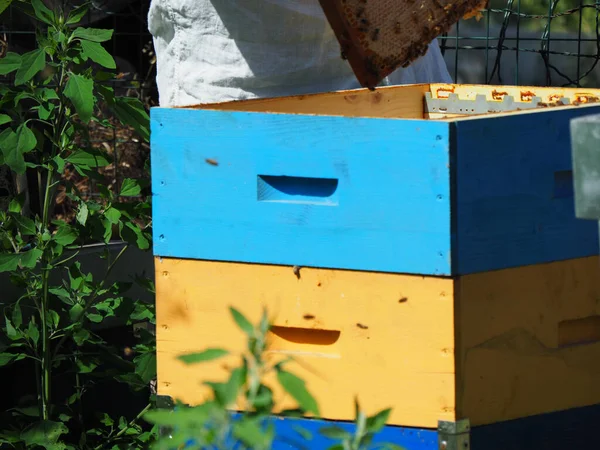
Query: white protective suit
x,y
220,50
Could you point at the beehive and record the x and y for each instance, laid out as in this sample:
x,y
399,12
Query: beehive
x,y
442,270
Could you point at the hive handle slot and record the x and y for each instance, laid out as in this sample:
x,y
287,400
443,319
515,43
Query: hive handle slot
x,y
579,331
304,190
310,336
563,184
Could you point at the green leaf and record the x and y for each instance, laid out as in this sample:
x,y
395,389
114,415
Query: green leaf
x,y
53,318
96,318
31,64
6,359
9,262
79,90
4,4
378,421
249,432
334,432
297,389
131,232
130,188
234,384
303,432
145,366
65,235
17,203
30,258
25,224
131,112
12,156
81,336
112,215
17,316
82,213
206,355
264,399
26,140
10,63
45,434
42,12
33,333
75,312
98,54
77,14
88,158
242,322
92,34
11,332
4,119
45,110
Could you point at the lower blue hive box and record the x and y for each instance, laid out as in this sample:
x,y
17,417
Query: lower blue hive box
x,y
413,249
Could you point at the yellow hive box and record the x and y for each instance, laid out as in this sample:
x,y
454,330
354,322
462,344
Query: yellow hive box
x,y
488,347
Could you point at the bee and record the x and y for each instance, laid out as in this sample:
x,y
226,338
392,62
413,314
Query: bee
x,y
212,162
361,326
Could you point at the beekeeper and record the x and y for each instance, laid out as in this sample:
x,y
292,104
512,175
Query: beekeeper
x,y
220,50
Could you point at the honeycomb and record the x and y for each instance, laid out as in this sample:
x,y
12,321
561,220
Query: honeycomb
x,y
379,36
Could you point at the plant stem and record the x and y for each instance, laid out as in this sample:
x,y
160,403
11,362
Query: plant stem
x,y
46,354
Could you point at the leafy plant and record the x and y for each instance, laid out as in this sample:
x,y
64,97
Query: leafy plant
x,y
45,115
211,425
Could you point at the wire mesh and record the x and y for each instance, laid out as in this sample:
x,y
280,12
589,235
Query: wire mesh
x,y
527,42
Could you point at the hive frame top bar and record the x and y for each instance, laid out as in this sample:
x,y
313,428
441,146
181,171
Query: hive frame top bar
x,y
418,101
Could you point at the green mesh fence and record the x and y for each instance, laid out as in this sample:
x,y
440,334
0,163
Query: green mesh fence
x,y
527,42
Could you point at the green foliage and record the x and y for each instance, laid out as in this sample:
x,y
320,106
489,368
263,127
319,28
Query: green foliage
x,y
209,425
52,329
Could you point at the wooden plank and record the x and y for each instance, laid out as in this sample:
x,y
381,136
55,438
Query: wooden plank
x,y
392,101
514,202
512,358
350,193
570,429
395,345
287,436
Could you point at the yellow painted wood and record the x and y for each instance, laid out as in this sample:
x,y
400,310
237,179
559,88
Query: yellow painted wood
x,y
392,101
404,101
386,338
528,340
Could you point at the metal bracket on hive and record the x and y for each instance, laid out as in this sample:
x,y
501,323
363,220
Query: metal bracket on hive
x,y
164,402
454,435
585,147
379,36
454,105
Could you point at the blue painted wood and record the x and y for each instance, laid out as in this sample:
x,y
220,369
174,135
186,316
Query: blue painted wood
x,y
292,434
573,429
365,194
514,203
